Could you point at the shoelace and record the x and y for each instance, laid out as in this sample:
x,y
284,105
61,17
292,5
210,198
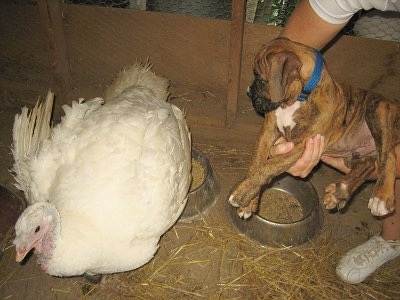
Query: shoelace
x,y
375,250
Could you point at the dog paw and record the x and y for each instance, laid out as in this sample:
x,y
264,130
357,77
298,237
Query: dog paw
x,y
246,212
232,201
379,207
244,194
336,195
330,201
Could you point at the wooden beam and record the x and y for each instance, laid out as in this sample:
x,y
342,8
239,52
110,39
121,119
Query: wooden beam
x,y
52,21
235,58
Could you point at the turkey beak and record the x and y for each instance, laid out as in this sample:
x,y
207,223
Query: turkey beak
x,y
20,255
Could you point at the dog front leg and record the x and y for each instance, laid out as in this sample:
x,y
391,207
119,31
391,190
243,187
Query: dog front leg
x,y
245,195
267,138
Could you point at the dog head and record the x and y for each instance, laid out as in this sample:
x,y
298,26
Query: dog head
x,y
281,68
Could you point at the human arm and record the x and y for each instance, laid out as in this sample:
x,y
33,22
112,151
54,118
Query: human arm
x,y
306,27
316,22
312,154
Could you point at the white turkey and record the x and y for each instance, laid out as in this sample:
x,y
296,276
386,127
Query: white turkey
x,y
105,183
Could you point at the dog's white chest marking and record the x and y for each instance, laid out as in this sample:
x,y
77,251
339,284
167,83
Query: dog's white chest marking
x,y
284,117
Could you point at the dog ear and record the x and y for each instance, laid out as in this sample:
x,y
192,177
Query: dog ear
x,y
284,68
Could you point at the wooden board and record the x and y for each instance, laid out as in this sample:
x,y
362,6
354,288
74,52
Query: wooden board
x,y
193,52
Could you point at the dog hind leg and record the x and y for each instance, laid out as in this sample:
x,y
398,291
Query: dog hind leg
x,y
339,192
382,199
383,121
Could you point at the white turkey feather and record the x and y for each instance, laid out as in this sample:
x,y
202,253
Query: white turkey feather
x,y
29,130
115,176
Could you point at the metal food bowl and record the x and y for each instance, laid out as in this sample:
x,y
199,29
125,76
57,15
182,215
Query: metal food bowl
x,y
278,234
201,199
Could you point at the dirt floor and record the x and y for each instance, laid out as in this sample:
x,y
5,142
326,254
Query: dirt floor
x,y
206,258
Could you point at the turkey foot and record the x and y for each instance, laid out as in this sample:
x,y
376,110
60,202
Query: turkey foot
x,y
93,278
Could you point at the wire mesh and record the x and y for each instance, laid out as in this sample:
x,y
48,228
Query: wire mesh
x,y
105,3
379,25
271,12
27,45
373,24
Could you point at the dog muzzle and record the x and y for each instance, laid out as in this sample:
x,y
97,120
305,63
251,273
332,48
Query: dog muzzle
x,y
261,104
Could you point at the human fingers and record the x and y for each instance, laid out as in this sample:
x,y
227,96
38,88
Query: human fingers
x,y
312,153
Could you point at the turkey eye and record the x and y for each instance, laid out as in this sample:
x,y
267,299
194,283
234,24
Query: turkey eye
x,y
37,229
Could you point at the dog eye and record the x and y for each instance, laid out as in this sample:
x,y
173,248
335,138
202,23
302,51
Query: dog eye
x,y
262,82
255,73
37,229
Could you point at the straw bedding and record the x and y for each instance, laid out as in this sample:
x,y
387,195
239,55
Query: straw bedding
x,y
207,259
243,269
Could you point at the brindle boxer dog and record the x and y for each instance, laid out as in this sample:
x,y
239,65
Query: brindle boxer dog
x,y
299,98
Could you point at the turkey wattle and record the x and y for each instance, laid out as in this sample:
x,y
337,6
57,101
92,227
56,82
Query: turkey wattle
x,y
105,183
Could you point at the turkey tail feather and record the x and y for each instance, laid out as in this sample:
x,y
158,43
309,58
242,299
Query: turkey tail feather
x,y
139,74
30,128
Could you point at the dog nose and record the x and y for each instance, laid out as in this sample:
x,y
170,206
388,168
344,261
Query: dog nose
x,y
249,92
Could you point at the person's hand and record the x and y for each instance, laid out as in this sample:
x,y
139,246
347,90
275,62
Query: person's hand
x,y
310,158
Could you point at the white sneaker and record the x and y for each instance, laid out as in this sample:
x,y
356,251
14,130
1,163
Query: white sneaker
x,y
363,260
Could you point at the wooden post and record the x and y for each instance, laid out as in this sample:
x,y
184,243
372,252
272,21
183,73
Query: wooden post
x,y
235,59
52,21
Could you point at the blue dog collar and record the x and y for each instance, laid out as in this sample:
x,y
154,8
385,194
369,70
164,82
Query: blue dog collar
x,y
314,79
